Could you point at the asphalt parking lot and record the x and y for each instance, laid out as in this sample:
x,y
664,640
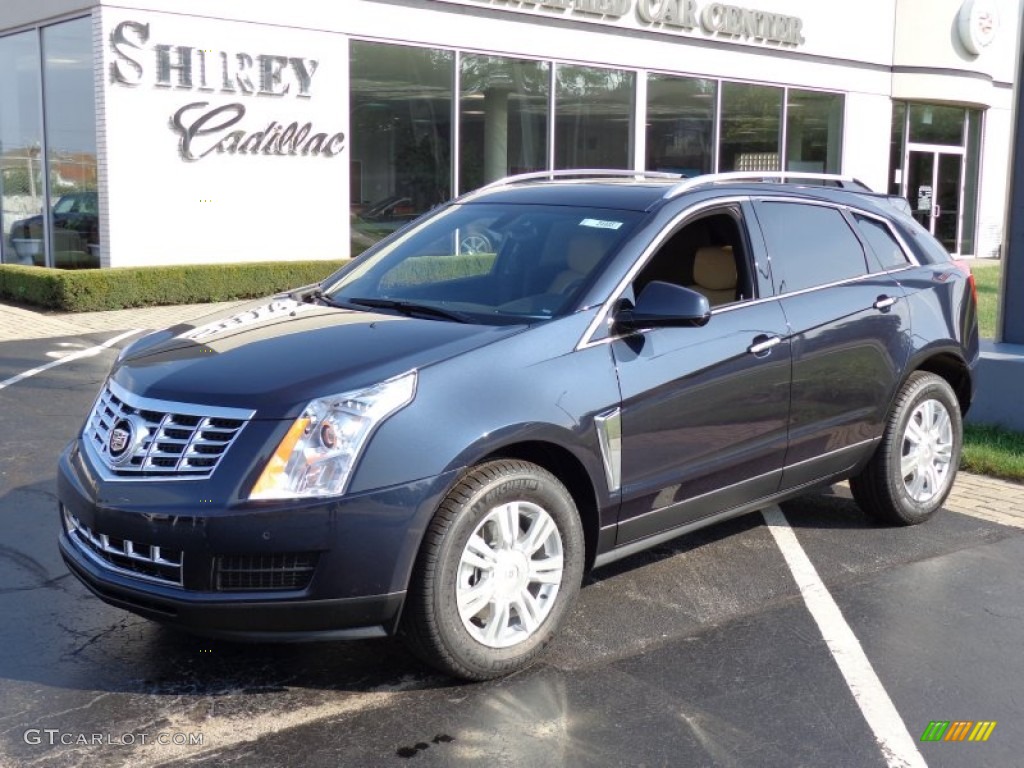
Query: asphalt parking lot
x,y
699,653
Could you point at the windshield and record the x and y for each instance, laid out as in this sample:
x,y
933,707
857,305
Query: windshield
x,y
76,203
490,263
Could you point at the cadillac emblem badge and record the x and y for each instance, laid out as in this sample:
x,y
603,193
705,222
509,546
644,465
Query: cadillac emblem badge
x,y
120,441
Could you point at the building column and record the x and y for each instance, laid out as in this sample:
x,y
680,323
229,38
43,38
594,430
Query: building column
x,y
1011,321
496,133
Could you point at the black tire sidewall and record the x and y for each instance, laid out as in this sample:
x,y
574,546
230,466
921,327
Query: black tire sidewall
x,y
522,484
928,387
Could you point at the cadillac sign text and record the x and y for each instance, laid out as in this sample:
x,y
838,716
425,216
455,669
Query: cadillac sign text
x,y
206,126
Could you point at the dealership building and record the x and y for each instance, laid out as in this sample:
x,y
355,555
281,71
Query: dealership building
x,y
152,132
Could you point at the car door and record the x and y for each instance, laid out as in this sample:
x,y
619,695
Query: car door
x,y
704,409
850,327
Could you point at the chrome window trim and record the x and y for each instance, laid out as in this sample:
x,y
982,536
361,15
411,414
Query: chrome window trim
x,y
908,253
847,281
851,209
587,339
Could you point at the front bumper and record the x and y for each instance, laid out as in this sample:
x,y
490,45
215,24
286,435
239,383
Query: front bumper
x,y
361,550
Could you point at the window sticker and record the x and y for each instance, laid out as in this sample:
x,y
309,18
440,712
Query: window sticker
x,y
600,224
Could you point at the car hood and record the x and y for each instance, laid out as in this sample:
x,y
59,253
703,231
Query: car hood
x,y
275,356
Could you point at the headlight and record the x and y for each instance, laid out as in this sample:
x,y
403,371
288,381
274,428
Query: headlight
x,y
316,456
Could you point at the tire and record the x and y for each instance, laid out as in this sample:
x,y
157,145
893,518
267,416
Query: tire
x,y
913,468
488,608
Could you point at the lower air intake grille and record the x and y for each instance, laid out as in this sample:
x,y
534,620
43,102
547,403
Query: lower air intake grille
x,y
130,558
283,570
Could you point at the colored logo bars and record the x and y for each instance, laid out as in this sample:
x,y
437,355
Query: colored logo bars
x,y
958,730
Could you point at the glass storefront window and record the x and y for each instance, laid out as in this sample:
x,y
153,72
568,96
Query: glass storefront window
x,y
940,177
935,124
896,147
503,118
814,131
968,245
68,95
401,124
680,124
751,128
594,117
21,158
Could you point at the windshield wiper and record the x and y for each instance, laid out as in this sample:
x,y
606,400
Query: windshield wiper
x,y
314,292
410,308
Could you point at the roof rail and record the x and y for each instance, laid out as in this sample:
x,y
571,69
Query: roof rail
x,y
581,172
776,176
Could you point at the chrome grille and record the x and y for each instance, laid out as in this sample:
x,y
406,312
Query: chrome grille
x,y
131,558
159,437
278,570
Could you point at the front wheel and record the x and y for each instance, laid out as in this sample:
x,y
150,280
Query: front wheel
x,y
497,573
913,468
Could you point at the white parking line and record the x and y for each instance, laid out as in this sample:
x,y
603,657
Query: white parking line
x,y
898,746
90,352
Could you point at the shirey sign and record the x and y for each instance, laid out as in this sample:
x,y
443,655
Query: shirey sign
x,y
205,127
683,16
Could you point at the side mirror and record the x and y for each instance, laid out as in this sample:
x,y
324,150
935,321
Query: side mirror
x,y
664,305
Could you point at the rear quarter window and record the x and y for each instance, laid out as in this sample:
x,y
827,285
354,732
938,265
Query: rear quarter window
x,y
809,245
926,248
880,239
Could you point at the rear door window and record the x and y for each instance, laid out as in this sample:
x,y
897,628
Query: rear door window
x,y
809,245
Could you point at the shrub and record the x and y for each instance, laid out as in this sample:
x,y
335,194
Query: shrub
x,y
100,289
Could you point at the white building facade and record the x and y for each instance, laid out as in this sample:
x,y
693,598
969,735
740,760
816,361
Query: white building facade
x,y
157,132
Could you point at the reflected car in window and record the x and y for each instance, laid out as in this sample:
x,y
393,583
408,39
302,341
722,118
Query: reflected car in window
x,y
440,439
76,227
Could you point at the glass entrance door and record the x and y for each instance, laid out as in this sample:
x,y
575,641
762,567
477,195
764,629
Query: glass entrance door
x,y
934,181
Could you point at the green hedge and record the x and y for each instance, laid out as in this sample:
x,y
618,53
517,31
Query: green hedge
x,y
431,269
100,289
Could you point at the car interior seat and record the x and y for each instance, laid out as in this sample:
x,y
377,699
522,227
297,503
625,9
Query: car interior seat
x,y
582,255
714,273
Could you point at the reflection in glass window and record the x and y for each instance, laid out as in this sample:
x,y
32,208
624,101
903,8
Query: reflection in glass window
x,y
71,144
594,117
751,128
540,261
878,236
896,147
814,131
21,159
968,245
400,112
503,113
935,124
794,234
680,124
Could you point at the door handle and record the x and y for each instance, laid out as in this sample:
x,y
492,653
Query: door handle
x,y
936,211
884,302
763,344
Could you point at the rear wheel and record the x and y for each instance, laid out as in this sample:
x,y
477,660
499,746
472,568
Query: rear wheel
x,y
499,568
912,471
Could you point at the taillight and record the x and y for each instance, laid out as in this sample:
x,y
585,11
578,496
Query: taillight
x,y
966,269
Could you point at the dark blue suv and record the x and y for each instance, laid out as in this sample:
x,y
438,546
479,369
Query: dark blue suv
x,y
439,439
